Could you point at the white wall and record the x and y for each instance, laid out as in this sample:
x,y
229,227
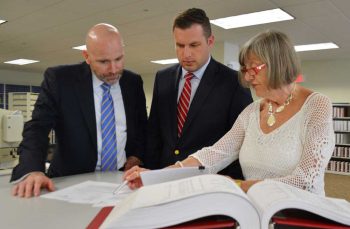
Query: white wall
x,y
20,78
330,77
148,82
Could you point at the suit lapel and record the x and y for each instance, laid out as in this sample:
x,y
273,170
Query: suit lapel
x,y
85,94
173,104
127,98
206,85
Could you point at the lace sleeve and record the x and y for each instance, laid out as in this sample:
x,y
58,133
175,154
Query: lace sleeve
x,y
318,144
226,150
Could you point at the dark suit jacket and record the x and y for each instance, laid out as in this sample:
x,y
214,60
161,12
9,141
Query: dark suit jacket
x,y
218,101
66,104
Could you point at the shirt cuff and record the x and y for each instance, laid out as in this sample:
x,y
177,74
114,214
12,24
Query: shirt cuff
x,y
24,177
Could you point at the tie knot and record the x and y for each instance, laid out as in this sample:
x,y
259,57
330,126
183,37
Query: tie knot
x,y
105,87
189,76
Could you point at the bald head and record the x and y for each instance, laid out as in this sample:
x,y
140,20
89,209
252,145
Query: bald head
x,y
101,32
105,52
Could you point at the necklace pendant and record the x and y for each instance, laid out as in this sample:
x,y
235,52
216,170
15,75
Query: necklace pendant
x,y
280,109
271,120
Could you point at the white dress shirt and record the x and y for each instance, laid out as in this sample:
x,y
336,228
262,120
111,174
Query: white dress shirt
x,y
120,120
197,76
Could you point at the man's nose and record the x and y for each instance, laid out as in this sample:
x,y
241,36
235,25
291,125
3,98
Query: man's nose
x,y
187,52
113,67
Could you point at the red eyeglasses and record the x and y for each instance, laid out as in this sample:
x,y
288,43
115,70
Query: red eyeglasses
x,y
255,70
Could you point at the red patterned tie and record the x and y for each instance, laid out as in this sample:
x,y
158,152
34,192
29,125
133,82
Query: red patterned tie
x,y
184,102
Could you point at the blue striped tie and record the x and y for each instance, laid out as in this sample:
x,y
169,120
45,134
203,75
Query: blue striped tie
x,y
109,140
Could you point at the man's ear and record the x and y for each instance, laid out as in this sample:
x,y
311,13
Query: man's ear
x,y
211,40
86,56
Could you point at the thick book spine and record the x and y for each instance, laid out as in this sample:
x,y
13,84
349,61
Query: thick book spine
x,y
205,223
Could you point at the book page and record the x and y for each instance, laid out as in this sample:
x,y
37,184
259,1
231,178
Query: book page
x,y
98,194
270,197
184,188
264,195
168,174
170,203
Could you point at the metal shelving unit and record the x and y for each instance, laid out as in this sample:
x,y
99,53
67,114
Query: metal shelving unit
x,y
340,160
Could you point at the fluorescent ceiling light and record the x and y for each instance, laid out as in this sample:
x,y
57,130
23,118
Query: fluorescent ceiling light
x,y
320,46
81,47
256,18
21,61
167,61
2,21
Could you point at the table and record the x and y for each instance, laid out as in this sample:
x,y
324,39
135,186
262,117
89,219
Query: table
x,y
39,212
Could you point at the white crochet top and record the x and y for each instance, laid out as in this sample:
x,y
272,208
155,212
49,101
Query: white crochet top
x,y
295,153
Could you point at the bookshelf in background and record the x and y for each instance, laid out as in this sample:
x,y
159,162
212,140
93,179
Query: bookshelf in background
x,y
340,160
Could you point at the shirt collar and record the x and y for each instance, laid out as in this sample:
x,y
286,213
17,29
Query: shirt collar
x,y
199,73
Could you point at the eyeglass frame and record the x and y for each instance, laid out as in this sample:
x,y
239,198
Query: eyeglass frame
x,y
256,69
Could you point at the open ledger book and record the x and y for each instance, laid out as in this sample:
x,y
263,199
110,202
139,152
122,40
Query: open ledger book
x,y
179,201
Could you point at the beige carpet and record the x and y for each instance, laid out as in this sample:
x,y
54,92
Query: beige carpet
x,y
337,186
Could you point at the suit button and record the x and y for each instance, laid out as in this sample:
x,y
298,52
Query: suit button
x,y
177,152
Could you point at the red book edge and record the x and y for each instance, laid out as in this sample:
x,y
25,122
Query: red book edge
x,y
309,223
196,224
100,217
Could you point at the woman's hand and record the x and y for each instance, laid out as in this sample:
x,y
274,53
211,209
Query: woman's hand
x,y
133,177
246,184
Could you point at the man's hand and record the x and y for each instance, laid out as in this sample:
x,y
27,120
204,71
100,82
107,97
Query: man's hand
x,y
131,162
133,177
32,185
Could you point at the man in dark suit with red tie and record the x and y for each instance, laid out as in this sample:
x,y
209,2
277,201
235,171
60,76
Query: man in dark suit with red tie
x,y
194,102
76,101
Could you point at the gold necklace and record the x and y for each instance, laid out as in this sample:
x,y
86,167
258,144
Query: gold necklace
x,y
271,120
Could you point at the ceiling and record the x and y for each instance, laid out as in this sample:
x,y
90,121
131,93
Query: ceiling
x,y
46,30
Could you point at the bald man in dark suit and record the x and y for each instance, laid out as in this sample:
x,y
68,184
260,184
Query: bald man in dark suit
x,y
71,103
